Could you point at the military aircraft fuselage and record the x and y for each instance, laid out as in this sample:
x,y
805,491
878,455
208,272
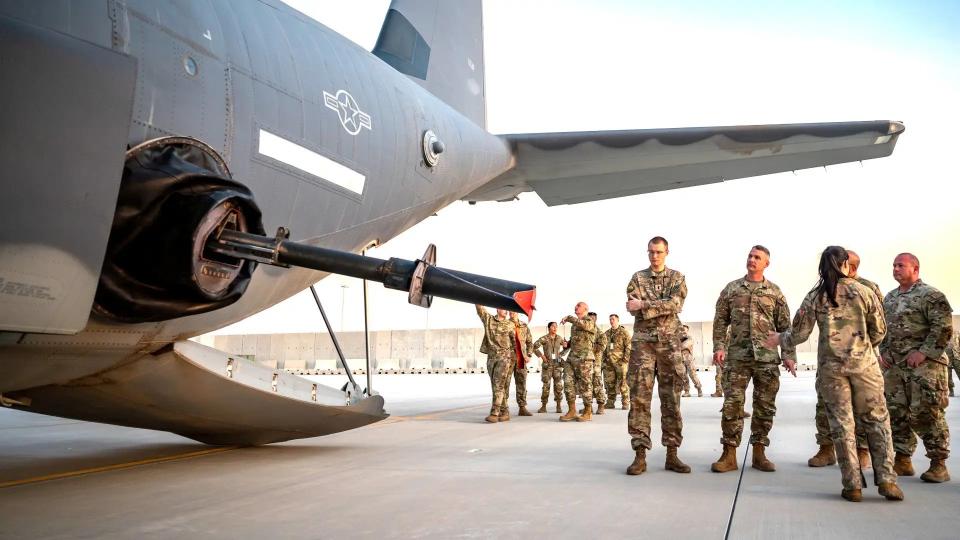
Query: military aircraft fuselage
x,y
327,137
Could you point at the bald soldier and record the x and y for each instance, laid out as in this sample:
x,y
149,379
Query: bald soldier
x,y
578,366
523,350
919,328
827,455
655,297
748,310
615,362
498,344
599,352
548,348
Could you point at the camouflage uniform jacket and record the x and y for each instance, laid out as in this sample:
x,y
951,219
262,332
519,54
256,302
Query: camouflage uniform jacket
x,y
873,287
618,345
498,334
751,314
550,347
581,337
953,351
664,293
686,346
600,345
526,340
918,320
848,332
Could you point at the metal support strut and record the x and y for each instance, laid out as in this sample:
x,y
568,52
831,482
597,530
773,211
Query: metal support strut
x,y
354,393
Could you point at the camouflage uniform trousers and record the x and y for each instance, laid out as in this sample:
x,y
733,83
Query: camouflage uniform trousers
x,y
577,379
858,398
954,366
917,398
615,381
658,360
691,375
551,370
599,389
766,384
520,379
823,427
500,368
718,378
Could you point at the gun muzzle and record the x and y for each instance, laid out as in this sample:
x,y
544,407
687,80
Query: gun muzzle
x,y
421,278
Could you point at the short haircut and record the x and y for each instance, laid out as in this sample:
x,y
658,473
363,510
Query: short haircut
x,y
551,324
758,247
592,313
911,257
614,315
659,240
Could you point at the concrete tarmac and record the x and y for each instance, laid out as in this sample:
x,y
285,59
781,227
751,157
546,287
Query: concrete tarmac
x,y
436,470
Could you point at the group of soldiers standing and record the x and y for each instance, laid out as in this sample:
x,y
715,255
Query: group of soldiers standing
x,y
865,416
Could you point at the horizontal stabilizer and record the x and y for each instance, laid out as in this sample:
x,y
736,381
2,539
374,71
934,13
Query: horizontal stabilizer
x,y
203,394
576,167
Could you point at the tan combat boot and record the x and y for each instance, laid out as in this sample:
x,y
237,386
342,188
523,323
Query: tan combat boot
x,y
699,391
863,456
760,461
611,404
543,407
673,463
902,465
523,411
891,491
639,465
937,472
504,414
587,413
494,415
686,393
852,495
625,404
559,408
826,455
571,412
718,393
727,461
600,408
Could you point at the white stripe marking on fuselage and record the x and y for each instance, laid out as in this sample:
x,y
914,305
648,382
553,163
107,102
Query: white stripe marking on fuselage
x,y
310,162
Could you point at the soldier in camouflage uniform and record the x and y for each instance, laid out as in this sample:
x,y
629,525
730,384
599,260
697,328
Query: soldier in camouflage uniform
x,y
615,364
915,368
686,349
599,352
523,351
499,337
825,455
655,297
851,324
953,355
548,348
578,366
717,381
750,307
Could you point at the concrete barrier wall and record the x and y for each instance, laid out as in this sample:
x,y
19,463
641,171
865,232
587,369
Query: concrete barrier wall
x,y
406,348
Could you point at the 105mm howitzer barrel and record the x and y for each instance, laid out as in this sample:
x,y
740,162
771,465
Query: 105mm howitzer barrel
x,y
420,278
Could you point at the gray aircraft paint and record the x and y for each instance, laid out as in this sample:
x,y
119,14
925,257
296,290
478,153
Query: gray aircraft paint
x,y
225,72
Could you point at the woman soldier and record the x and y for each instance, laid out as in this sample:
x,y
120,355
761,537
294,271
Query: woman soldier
x,y
851,324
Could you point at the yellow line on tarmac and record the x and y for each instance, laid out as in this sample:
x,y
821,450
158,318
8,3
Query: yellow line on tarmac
x,y
115,467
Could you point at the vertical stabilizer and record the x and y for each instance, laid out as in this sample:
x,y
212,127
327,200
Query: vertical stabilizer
x,y
438,44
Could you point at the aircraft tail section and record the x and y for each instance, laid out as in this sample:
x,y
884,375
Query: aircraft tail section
x,y
439,45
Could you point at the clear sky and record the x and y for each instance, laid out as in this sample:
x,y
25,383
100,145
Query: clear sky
x,y
570,66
